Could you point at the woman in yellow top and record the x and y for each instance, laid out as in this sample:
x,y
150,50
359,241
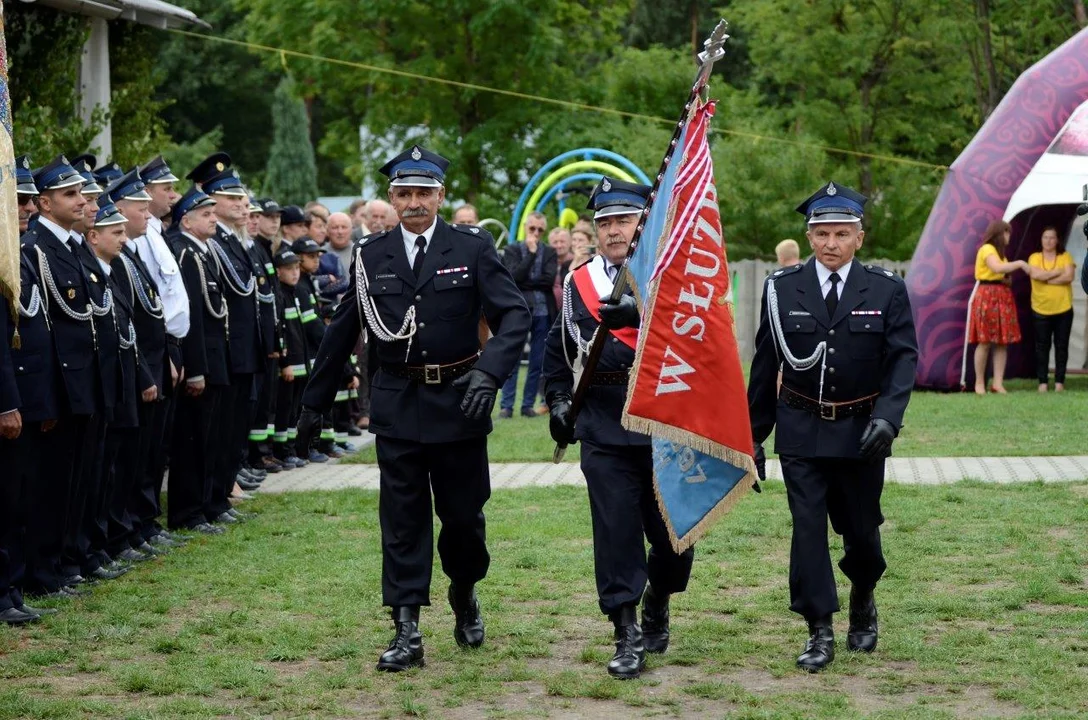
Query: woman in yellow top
x,y
1052,272
993,310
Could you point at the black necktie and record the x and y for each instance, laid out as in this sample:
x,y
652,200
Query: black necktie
x,y
832,298
417,265
73,245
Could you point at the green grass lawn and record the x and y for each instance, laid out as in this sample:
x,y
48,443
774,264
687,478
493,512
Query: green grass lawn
x,y
1024,422
984,612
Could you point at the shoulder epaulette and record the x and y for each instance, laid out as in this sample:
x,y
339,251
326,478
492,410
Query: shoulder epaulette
x,y
474,231
881,272
786,271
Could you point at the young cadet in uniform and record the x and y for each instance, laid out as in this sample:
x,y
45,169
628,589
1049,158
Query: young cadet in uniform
x,y
28,411
421,288
843,335
261,428
154,251
617,464
55,252
133,379
294,362
135,281
309,254
247,348
205,350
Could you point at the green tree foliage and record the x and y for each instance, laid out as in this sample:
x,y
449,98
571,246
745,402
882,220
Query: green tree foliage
x,y
138,127
291,176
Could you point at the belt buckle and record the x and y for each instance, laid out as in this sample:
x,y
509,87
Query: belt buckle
x,y
824,414
432,374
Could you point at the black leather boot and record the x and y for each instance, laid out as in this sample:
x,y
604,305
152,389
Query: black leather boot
x,y
862,634
655,621
820,648
630,657
468,627
406,648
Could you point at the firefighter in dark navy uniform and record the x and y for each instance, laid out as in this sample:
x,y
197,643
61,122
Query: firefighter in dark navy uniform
x,y
617,464
420,290
843,334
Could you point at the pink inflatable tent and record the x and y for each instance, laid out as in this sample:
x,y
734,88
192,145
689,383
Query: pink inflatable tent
x,y
978,188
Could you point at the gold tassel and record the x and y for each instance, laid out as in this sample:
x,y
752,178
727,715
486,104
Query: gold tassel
x,y
16,341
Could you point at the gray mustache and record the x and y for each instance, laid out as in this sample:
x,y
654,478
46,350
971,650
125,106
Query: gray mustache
x,y
414,212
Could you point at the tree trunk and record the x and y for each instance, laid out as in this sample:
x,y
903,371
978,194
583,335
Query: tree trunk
x,y
1080,12
993,94
695,48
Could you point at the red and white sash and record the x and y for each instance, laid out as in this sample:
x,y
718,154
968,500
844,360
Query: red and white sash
x,y
592,283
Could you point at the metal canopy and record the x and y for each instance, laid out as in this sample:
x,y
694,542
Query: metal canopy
x,y
154,13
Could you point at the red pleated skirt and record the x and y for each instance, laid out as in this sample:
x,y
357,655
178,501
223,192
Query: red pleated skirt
x,y
993,316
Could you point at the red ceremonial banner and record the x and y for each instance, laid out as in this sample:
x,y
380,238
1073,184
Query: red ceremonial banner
x,y
690,386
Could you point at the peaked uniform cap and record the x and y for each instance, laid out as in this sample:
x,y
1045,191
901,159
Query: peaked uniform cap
x,y
618,197
107,215
108,173
833,203
157,172
24,176
56,175
416,167
209,167
129,186
192,200
83,164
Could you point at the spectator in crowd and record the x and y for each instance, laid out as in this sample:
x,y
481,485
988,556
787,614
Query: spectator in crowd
x,y
788,253
331,276
1052,270
315,207
357,213
466,215
559,240
317,224
533,265
992,311
380,216
581,248
292,223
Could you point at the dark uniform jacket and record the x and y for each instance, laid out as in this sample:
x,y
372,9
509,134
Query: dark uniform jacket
x,y
74,340
247,347
461,278
297,349
124,375
269,286
205,349
28,374
871,349
599,417
307,301
150,330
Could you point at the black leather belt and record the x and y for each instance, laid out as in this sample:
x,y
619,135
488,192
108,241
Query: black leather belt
x,y
176,342
828,410
432,374
618,377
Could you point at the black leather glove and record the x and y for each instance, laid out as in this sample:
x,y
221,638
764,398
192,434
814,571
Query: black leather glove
x,y
560,424
480,390
761,462
308,427
876,441
622,313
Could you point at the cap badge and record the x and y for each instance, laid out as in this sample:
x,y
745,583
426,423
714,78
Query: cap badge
x,y
606,186
220,166
416,154
25,165
831,189
475,230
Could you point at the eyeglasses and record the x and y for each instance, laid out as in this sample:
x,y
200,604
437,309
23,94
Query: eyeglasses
x,y
534,230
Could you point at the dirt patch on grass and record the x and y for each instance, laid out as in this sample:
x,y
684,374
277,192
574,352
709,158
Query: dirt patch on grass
x,y
968,701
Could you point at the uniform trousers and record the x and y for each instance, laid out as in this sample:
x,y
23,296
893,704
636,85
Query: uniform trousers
x,y
120,442
457,474
231,443
86,476
45,461
625,515
848,491
121,528
192,456
264,413
14,496
288,401
144,504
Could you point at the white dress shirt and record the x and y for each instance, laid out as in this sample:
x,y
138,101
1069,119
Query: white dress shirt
x,y
104,265
823,276
58,232
155,253
410,246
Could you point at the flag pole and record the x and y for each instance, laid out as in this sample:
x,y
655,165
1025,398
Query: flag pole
x,y
714,51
